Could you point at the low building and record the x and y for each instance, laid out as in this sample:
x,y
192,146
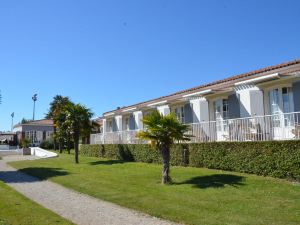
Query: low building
x,y
8,138
260,105
36,131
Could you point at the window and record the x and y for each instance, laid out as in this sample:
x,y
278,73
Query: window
x,y
281,101
286,99
110,126
221,109
127,123
225,109
274,101
179,112
221,114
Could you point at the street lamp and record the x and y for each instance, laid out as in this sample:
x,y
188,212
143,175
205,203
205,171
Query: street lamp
x,y
34,98
12,121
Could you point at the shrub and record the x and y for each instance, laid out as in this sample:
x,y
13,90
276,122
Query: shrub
x,y
279,159
47,144
25,143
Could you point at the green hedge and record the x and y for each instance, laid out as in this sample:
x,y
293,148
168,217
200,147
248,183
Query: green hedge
x,y
279,159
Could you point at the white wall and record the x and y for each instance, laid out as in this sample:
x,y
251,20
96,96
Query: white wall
x,y
138,116
251,100
164,109
200,110
42,153
119,122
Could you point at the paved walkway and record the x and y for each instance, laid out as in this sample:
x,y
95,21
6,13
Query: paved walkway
x,y
78,208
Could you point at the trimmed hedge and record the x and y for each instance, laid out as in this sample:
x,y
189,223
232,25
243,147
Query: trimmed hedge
x,y
279,159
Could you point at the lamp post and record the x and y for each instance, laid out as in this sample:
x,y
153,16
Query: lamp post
x,y
34,98
12,121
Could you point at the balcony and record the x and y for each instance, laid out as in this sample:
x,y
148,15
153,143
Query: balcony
x,y
284,126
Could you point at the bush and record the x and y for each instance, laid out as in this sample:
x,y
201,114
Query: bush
x,y
47,144
279,159
25,143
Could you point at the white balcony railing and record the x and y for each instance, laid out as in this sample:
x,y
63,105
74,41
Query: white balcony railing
x,y
284,126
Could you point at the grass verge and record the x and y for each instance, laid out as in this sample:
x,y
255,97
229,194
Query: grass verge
x,y
197,196
15,209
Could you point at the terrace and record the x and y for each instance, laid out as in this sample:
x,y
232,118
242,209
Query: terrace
x,y
283,126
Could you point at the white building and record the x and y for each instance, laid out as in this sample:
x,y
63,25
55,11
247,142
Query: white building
x,y
259,105
36,131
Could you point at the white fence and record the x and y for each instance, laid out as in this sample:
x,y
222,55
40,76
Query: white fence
x,y
284,126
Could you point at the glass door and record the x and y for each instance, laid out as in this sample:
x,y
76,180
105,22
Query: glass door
x,y
281,106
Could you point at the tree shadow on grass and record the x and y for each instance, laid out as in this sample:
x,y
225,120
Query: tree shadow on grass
x,y
214,181
31,174
106,162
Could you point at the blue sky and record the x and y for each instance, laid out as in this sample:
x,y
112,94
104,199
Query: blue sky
x,y
113,53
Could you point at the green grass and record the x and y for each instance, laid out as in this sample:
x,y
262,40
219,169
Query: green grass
x,y
15,209
198,196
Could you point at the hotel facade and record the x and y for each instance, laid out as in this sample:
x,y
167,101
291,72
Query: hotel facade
x,y
259,105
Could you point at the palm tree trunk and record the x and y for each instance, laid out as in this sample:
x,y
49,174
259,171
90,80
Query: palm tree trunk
x,y
76,144
60,146
69,147
166,179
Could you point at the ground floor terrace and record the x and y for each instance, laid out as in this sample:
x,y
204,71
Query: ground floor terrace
x,y
256,106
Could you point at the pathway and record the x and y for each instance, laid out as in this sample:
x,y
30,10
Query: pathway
x,y
79,208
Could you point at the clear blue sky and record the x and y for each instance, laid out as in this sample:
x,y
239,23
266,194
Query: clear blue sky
x,y
112,53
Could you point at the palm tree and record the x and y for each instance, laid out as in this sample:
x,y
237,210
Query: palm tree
x,y
163,131
57,106
78,119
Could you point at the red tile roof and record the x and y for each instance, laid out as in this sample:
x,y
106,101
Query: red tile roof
x,y
43,122
243,76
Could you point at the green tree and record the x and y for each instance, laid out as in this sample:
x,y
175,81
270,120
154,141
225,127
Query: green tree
x,y
78,122
57,105
163,131
56,112
24,121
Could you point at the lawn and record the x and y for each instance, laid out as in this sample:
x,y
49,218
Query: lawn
x,y
197,196
15,209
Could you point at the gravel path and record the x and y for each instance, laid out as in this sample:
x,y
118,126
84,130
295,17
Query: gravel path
x,y
78,208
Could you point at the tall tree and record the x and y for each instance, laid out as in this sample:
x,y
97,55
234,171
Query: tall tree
x,y
78,121
163,131
57,107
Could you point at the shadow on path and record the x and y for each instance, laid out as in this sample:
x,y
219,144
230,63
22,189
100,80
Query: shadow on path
x,y
31,174
214,181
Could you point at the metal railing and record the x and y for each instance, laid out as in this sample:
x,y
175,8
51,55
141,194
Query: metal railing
x,y
283,126
118,137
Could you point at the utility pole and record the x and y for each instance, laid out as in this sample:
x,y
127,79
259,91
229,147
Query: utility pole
x,y
34,98
12,121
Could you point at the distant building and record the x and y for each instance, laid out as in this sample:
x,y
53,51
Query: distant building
x,y
9,138
35,131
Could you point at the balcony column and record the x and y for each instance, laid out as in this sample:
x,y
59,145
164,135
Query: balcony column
x,y
200,110
164,109
104,130
138,116
119,122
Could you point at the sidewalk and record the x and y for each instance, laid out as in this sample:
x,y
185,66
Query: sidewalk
x,y
78,208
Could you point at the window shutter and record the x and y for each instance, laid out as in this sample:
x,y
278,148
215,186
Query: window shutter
x,y
233,106
256,103
188,113
296,96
